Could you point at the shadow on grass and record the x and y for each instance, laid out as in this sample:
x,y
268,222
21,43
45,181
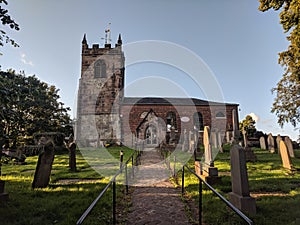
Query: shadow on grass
x,y
57,204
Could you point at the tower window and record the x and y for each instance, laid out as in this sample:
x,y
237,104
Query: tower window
x,y
100,69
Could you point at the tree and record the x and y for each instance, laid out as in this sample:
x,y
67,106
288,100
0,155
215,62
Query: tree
x,y
248,125
6,20
29,106
286,105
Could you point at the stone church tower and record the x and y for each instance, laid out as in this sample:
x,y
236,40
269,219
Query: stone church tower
x,y
100,93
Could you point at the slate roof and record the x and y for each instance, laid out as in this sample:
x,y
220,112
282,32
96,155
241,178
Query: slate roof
x,y
169,101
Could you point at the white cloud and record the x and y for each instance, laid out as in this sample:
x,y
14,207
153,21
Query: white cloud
x,y
25,61
254,117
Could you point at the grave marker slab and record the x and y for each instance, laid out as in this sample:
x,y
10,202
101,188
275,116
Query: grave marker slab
x,y
220,142
289,145
235,125
286,161
240,195
44,166
214,140
72,156
245,138
210,172
278,139
191,142
185,144
271,145
262,142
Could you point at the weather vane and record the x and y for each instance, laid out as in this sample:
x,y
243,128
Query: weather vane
x,y
107,34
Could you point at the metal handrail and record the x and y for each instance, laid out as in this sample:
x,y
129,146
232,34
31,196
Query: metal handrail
x,y
230,205
111,182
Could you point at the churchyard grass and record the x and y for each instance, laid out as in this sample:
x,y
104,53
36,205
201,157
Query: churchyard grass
x,y
276,190
64,200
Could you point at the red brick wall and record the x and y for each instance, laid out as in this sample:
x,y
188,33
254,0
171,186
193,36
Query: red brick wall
x,y
131,116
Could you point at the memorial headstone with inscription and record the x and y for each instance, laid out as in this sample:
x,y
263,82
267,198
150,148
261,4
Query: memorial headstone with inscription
x,y
240,195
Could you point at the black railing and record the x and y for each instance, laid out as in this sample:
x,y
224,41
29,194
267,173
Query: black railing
x,y
231,206
112,182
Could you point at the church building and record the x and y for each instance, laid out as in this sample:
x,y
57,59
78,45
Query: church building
x,y
105,115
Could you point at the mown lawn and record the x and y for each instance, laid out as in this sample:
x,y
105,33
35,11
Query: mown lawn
x,y
276,190
64,200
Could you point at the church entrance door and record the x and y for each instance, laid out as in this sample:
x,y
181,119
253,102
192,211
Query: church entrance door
x,y
151,135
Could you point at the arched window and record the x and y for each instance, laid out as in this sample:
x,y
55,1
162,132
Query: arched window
x,y
100,69
198,121
171,121
220,115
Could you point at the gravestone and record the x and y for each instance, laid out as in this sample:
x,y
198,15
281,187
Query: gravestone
x,y
289,146
44,166
220,141
286,161
214,140
271,145
278,139
208,160
196,138
240,195
249,154
185,144
245,138
210,172
191,142
72,156
235,125
262,142
227,137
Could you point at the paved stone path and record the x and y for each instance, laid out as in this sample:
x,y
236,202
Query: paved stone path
x,y
155,200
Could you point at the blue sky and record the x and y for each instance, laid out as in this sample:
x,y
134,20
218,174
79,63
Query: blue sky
x,y
239,44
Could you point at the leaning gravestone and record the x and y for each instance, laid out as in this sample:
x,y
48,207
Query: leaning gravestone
x,y
240,195
44,166
286,161
278,139
271,145
289,146
262,142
